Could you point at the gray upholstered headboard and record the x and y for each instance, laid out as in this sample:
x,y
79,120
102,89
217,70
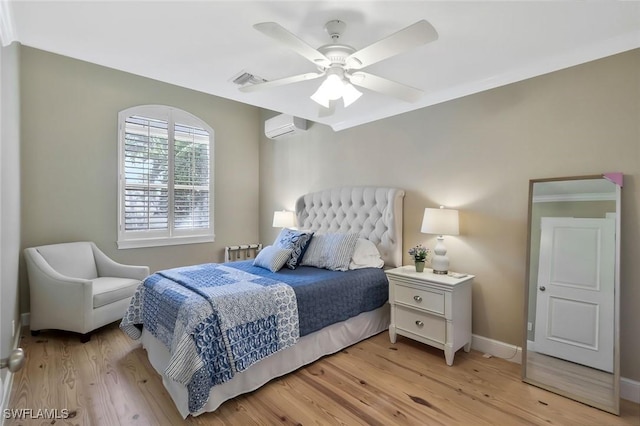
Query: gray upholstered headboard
x,y
373,213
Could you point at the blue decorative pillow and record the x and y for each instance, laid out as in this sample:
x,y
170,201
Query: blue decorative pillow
x,y
296,241
272,258
331,251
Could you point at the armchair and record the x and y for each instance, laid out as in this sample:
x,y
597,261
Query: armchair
x,y
76,287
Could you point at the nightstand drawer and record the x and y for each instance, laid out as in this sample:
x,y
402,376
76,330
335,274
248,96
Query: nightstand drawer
x,y
429,300
422,324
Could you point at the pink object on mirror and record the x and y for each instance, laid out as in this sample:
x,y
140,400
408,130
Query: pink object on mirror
x,y
616,178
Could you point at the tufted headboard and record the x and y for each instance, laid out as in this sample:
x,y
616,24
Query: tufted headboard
x,y
373,213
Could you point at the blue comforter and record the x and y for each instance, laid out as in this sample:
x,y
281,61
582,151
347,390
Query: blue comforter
x,y
217,319
326,297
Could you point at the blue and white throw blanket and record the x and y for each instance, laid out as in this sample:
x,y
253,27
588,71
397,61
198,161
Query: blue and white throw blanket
x,y
215,320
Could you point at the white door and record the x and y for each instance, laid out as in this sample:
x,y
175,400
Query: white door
x,y
575,300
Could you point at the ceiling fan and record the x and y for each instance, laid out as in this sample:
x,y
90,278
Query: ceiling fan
x,y
342,64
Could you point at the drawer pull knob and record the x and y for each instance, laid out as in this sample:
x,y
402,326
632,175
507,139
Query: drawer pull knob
x,y
419,323
417,298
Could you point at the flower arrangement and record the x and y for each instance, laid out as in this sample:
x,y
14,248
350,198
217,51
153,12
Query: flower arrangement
x,y
419,253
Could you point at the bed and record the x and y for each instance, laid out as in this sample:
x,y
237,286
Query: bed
x,y
374,214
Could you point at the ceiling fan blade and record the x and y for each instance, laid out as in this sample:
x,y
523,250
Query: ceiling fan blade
x,y
412,36
385,86
281,81
281,35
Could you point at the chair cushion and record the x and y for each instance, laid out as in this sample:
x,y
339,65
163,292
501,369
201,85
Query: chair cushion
x,y
71,259
107,290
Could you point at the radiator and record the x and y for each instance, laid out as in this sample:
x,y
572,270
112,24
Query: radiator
x,y
241,252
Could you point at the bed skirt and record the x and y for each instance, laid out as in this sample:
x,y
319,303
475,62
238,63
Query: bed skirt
x,y
309,348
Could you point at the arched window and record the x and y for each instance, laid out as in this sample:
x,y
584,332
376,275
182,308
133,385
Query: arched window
x,y
165,178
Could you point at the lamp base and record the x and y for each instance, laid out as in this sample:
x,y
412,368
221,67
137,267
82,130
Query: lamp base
x,y
440,261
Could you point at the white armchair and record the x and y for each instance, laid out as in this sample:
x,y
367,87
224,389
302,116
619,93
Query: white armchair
x,y
76,287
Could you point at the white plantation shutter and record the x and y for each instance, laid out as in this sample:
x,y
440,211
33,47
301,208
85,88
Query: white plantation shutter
x,y
165,178
191,177
146,166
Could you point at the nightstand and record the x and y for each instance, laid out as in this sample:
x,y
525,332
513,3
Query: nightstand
x,y
430,308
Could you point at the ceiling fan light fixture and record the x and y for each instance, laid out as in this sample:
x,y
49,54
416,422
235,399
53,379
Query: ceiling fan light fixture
x,y
330,90
320,98
334,87
350,94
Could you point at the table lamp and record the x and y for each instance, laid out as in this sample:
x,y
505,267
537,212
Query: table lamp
x,y
284,219
440,222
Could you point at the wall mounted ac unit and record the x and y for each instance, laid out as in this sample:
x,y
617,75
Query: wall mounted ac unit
x,y
284,125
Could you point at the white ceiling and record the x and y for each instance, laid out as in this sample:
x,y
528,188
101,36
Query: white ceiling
x,y
202,45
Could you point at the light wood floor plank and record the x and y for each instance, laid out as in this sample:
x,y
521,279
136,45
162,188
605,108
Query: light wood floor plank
x,y
109,381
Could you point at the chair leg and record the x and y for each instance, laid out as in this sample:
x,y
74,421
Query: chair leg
x,y
84,338
35,333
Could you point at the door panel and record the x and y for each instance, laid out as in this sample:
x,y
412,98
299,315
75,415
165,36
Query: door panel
x,y
573,322
574,313
574,256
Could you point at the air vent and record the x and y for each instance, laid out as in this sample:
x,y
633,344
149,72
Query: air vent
x,y
244,77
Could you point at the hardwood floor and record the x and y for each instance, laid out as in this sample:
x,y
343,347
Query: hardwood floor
x,y
109,381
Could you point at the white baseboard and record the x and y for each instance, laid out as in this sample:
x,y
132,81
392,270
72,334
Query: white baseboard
x,y
496,348
629,389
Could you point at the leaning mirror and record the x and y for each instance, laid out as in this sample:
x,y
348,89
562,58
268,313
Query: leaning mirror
x,y
571,328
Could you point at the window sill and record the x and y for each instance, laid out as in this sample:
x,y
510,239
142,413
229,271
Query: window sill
x,y
159,242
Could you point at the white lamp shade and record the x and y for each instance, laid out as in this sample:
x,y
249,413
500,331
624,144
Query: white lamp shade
x,y
350,94
440,222
320,98
332,87
284,219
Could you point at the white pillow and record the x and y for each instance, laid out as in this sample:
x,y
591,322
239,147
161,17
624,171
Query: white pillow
x,y
366,255
330,251
272,258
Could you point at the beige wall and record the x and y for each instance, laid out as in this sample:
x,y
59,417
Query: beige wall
x,y
69,158
477,154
